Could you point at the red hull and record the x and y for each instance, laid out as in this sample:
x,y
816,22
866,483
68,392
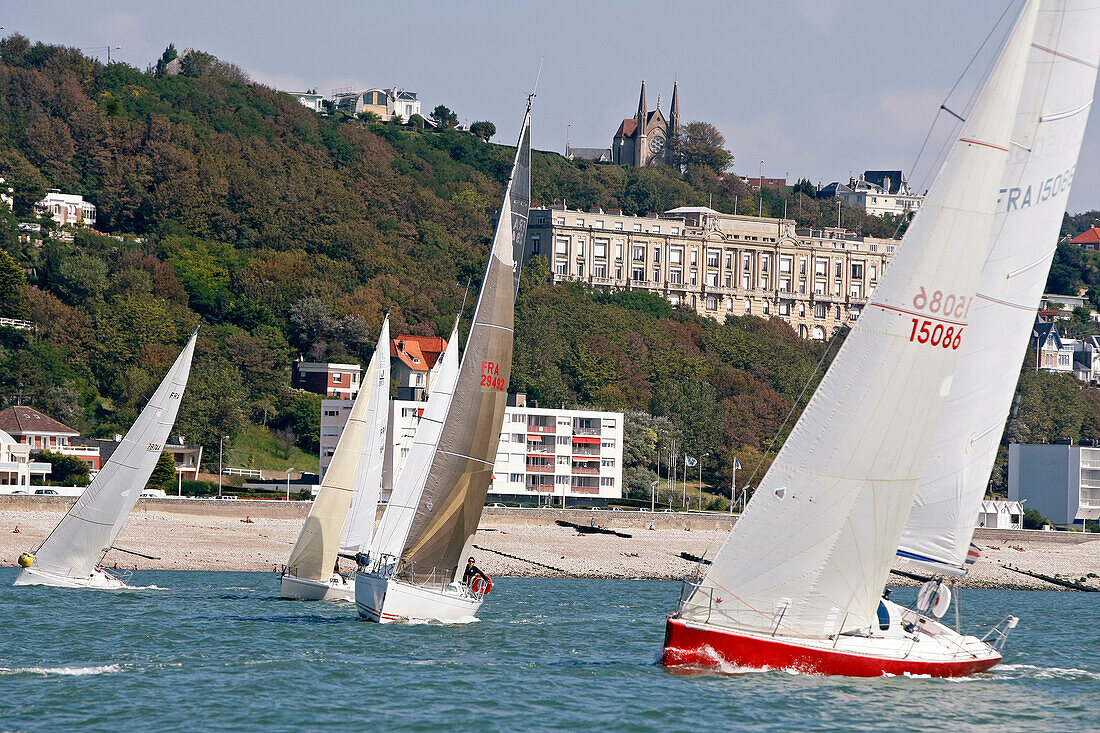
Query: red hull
x,y
687,646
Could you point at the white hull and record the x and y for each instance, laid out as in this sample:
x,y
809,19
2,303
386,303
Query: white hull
x,y
302,589
98,580
388,600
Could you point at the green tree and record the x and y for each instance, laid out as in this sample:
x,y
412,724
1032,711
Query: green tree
x,y
442,116
162,63
65,470
702,144
415,120
368,116
1033,519
11,279
164,473
484,130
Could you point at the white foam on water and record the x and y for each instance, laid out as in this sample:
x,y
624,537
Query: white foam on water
x,y
1045,673
63,671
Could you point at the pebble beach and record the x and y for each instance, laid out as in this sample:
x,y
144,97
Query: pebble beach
x,y
242,536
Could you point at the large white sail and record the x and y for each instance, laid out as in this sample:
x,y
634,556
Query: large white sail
x,y
359,527
409,483
314,553
812,551
1049,128
91,526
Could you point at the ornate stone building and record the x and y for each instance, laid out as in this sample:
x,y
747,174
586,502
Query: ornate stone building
x,y
717,264
643,139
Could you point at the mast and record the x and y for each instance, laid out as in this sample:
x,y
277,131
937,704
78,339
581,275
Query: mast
x,y
90,527
1049,129
846,477
461,470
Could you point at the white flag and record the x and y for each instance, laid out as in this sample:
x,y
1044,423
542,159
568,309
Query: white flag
x,y
689,461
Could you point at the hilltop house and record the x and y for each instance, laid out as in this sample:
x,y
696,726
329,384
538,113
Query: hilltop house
x,y
66,208
386,103
876,192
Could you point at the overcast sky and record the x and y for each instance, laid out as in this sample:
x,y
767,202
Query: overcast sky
x,y
814,89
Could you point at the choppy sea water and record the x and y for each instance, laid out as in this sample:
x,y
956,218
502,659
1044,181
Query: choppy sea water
x,y
219,651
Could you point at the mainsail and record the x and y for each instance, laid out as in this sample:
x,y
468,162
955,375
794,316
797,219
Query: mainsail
x,y
89,529
458,471
812,551
314,554
359,526
1049,127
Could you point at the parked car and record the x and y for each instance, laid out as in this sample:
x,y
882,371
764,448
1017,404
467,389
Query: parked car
x,y
497,506
50,492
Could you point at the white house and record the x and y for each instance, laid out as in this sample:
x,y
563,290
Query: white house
x,y
66,208
310,99
16,466
996,514
876,192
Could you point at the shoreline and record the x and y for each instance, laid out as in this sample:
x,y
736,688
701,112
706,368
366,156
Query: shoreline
x,y
213,535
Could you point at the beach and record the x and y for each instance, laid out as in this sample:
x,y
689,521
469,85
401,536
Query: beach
x,y
258,536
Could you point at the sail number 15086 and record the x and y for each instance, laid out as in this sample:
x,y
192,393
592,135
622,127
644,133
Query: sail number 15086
x,y
924,332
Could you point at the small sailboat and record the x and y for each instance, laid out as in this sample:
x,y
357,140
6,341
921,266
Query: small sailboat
x,y
798,583
69,557
1050,126
413,573
341,520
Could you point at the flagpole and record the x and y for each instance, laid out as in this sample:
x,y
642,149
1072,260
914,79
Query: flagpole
x,y
733,485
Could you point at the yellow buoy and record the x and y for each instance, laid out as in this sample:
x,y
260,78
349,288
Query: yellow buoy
x,y
26,560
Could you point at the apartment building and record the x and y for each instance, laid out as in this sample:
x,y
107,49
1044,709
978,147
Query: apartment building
x,y
717,264
1061,481
544,456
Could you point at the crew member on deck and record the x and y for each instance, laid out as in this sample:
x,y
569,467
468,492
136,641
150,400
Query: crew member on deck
x,y
472,571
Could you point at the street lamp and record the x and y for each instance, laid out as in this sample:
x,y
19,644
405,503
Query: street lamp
x,y
221,441
653,495
288,482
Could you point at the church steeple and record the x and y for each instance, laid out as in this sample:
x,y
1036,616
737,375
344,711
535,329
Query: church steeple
x,y
642,108
674,112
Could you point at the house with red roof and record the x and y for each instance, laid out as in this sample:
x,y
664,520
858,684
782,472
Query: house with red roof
x,y
41,432
412,361
1089,239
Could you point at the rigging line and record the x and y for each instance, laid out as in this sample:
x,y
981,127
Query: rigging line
x,y
943,106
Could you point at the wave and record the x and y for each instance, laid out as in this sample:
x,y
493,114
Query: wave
x,y
1032,671
63,671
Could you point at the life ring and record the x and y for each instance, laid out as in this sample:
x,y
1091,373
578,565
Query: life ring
x,y
942,602
481,585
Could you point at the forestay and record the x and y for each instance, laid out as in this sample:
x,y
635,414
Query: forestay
x,y
1049,128
359,526
461,469
812,551
91,526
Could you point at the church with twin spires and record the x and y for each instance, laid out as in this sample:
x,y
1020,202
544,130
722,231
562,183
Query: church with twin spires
x,y
644,138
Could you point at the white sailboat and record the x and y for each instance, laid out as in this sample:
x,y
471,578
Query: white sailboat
x,y
433,513
1049,129
797,584
341,520
69,557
